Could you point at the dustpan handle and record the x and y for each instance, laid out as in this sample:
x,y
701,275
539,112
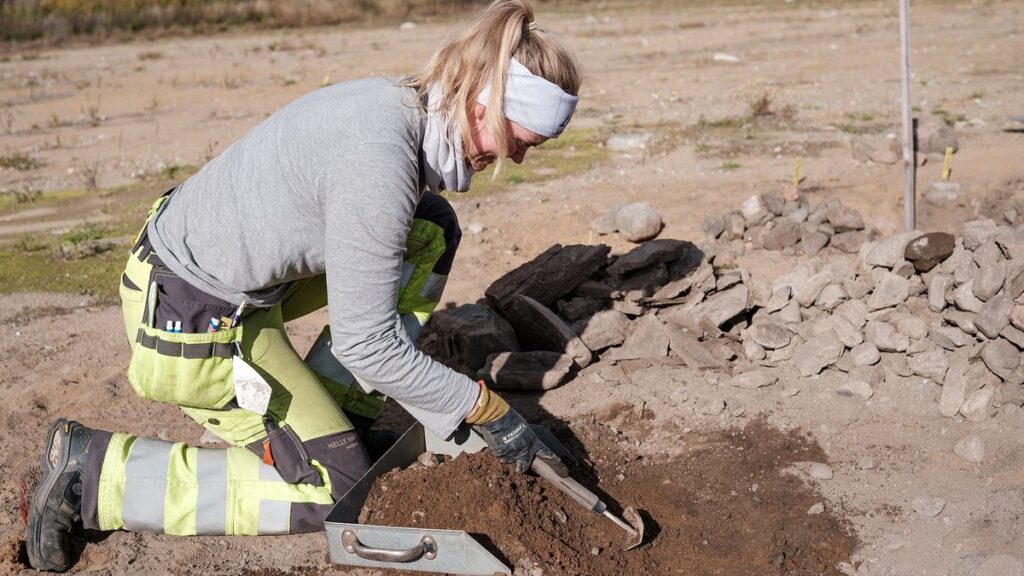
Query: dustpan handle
x,y
427,548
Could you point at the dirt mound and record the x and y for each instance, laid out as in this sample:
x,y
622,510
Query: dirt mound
x,y
724,507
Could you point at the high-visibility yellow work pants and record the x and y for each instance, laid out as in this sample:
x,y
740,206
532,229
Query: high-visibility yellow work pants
x,y
283,471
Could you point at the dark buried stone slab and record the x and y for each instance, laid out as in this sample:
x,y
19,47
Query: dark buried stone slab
x,y
535,371
538,328
549,276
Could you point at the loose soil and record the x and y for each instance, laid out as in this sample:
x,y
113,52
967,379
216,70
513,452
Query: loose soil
x,y
730,503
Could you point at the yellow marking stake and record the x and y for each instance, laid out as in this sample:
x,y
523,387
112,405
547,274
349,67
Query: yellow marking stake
x,y
796,172
947,164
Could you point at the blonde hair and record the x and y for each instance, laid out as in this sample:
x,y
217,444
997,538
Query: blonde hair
x,y
468,62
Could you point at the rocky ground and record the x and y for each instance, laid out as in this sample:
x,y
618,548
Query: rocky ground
x,y
701,112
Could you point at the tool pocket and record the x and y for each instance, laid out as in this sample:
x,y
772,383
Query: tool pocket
x,y
188,368
288,455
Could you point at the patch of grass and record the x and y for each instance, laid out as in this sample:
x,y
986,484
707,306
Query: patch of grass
x,y
20,162
730,166
150,55
37,270
949,118
83,233
574,151
12,202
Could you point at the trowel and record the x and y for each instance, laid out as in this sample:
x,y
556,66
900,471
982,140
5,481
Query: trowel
x,y
633,523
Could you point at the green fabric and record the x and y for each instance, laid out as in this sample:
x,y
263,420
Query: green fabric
x,y
424,247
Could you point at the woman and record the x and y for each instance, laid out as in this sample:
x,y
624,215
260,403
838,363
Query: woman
x,y
332,200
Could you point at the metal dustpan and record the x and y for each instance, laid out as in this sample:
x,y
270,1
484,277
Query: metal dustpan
x,y
415,549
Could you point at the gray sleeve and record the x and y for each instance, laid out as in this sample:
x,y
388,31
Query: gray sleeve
x,y
368,212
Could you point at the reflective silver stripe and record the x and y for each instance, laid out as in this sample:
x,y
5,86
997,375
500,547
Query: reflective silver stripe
x,y
145,486
212,484
407,270
269,474
433,288
274,517
412,326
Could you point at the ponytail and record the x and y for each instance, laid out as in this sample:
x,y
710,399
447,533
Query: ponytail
x,y
479,56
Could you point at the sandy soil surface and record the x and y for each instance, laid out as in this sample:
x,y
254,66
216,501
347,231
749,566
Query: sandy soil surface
x,y
116,113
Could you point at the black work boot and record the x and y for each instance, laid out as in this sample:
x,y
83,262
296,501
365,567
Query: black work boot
x,y
56,509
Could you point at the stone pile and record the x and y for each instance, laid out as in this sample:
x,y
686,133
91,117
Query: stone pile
x,y
789,223
931,305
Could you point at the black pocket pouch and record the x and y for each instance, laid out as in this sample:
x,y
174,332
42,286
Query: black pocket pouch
x,y
179,301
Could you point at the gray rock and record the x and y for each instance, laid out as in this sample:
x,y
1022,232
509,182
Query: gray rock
x,y
650,339
932,135
532,371
807,292
988,253
603,330
752,207
753,351
638,222
830,296
858,388
843,218
821,471
911,326
605,223
994,316
724,306
790,314
977,232
692,351
845,331
754,379
779,299
1001,357
850,241
770,335
949,337
783,234
884,336
1017,316
977,405
891,290
928,506
931,365
1013,287
813,356
887,252
939,288
713,225
728,278
854,311
962,320
649,253
970,448
774,203
954,388
942,193
1014,336
965,299
904,270
711,407
865,355
812,242
988,280
928,250
798,215
856,288
816,509
734,226
920,346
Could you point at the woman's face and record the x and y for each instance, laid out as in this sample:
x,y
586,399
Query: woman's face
x,y
483,149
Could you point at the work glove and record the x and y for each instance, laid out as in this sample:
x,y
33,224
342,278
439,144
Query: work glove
x,y
508,434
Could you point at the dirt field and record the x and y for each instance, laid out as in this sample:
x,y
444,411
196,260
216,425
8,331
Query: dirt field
x,y
138,114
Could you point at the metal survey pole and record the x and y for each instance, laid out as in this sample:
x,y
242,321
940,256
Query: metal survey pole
x,y
909,159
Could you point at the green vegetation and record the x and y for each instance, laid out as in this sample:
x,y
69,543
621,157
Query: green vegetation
x,y
37,270
19,161
949,118
57,20
731,166
574,151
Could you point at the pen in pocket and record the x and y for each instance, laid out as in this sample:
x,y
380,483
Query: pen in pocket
x,y
213,326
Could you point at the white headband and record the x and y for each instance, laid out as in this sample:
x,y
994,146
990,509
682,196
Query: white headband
x,y
534,103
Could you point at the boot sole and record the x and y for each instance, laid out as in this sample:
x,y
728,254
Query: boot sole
x,y
39,499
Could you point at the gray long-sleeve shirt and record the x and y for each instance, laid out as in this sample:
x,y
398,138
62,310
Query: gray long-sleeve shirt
x,y
328,184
